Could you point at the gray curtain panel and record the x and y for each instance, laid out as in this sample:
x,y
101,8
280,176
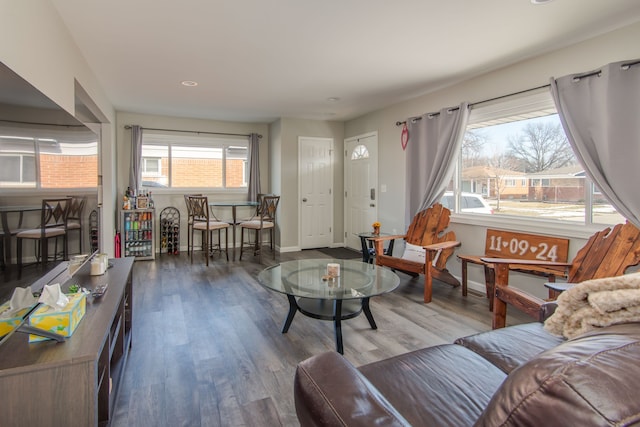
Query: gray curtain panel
x,y
254,167
433,146
600,113
136,157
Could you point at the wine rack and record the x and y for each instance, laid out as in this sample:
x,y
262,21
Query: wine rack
x,y
94,226
169,231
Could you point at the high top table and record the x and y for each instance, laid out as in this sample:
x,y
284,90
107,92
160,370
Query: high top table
x,y
234,220
340,299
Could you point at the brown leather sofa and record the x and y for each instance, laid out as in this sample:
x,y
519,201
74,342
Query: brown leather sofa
x,y
516,376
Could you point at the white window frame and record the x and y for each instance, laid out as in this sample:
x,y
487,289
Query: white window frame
x,y
539,100
43,139
172,140
20,182
157,161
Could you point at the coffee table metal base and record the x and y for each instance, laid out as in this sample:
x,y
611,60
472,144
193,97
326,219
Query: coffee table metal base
x,y
336,310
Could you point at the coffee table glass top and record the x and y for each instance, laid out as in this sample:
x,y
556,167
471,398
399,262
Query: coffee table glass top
x,y
304,278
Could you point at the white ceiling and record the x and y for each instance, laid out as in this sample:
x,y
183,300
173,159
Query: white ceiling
x,y
257,60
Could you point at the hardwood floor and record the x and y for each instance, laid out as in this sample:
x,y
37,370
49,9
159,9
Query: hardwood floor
x,y
207,348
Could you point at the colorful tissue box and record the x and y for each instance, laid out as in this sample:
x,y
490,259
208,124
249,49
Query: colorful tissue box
x,y
63,322
8,324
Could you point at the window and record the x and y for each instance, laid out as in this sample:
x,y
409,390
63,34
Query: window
x,y
47,157
360,152
17,170
516,155
194,161
151,166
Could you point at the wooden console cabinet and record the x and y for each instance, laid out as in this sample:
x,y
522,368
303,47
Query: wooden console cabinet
x,y
74,383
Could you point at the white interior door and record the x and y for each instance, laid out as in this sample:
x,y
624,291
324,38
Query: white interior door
x,y
361,186
316,188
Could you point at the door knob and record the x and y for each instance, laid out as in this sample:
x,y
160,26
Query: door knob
x,y
304,200
372,205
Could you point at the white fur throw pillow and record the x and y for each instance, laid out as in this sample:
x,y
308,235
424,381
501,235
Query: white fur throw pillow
x,y
413,253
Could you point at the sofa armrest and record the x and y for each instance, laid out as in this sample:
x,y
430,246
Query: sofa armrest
x,y
330,391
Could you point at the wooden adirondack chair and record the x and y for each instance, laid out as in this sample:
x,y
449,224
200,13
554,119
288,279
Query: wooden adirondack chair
x,y
427,230
608,253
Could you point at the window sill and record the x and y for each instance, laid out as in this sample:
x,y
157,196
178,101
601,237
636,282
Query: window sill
x,y
529,225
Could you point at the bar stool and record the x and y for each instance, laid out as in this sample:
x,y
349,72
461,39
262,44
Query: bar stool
x,y
53,224
265,219
74,220
206,222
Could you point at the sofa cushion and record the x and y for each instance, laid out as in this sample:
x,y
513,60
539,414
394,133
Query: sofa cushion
x,y
442,385
587,381
330,391
511,347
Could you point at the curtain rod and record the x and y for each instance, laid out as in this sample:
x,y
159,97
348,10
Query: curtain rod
x,y
481,102
195,131
624,66
43,124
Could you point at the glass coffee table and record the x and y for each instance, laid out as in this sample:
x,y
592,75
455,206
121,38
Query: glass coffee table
x,y
304,282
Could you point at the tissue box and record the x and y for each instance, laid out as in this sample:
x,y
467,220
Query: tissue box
x,y
63,322
8,324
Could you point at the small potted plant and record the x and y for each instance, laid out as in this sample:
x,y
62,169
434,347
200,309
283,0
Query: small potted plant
x,y
376,228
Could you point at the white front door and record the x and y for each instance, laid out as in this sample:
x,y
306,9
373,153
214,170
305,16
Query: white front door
x,y
316,192
361,186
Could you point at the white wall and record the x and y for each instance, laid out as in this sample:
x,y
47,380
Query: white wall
x,y
615,46
275,166
37,46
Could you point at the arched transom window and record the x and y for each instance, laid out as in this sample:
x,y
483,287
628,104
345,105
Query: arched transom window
x,y
360,152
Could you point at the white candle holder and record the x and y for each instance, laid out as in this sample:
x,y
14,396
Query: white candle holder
x,y
333,269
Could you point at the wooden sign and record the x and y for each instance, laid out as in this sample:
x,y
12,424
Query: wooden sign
x,y
509,244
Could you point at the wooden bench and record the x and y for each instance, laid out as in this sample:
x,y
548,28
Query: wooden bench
x,y
514,245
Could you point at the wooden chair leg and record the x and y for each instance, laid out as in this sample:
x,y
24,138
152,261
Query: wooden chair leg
x,y
499,313
490,283
499,319
428,279
464,278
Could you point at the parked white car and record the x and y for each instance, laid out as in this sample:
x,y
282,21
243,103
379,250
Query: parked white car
x,y
469,202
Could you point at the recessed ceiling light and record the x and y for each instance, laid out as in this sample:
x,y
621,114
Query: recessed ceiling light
x,y
189,83
540,1
333,99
